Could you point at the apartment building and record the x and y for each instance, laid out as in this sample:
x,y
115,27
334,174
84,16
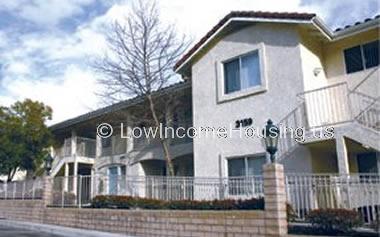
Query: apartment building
x,y
250,67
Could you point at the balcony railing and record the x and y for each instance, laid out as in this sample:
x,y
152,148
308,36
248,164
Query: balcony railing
x,y
85,147
327,106
116,145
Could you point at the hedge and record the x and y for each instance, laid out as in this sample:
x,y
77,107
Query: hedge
x,y
333,221
128,202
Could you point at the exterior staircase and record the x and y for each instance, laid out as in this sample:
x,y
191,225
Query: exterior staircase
x,y
57,165
352,112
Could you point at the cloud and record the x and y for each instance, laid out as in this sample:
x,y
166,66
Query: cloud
x,y
3,40
42,12
17,68
71,95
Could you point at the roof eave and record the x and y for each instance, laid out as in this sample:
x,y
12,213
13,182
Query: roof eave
x,y
356,29
244,19
322,27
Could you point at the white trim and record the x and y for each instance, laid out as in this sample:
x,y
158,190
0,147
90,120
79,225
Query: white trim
x,y
323,28
269,20
221,94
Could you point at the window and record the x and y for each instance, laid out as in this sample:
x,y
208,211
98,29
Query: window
x,y
242,173
246,166
362,57
242,73
116,183
371,54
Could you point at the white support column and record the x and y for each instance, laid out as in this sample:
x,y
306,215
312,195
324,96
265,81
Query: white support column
x,y
98,147
66,181
342,155
129,142
75,183
93,178
118,179
73,143
74,155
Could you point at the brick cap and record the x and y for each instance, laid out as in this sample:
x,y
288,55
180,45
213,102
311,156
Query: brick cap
x,y
273,167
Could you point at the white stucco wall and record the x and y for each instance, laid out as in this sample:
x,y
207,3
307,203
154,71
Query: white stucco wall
x,y
284,80
299,161
312,61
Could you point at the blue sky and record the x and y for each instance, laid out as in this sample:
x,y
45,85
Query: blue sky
x,y
45,45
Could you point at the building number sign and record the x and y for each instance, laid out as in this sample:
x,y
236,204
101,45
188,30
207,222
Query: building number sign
x,y
243,122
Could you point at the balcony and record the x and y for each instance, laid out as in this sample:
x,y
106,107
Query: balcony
x,y
84,147
115,145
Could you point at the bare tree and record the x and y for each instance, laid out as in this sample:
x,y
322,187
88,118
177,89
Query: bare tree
x,y
140,61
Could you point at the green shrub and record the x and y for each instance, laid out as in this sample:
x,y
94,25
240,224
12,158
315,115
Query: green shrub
x,y
331,221
128,202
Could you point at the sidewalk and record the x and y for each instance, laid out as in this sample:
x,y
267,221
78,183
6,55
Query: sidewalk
x,y
51,230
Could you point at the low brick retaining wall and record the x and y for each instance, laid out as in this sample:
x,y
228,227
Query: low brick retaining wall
x,y
23,210
141,222
268,222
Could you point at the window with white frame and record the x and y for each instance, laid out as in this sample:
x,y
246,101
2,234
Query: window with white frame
x,y
242,72
362,57
246,166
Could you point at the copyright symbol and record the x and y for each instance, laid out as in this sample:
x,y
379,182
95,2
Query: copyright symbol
x,y
104,130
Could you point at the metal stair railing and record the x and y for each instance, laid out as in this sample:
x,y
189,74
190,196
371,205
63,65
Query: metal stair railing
x,y
327,106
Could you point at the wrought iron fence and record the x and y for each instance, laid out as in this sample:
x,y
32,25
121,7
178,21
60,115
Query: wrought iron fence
x,y
361,192
79,190
25,189
305,192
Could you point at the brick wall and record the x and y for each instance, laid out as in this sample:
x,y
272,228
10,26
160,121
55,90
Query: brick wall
x,y
140,222
25,210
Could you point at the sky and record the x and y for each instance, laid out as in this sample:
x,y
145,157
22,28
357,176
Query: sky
x,y
46,46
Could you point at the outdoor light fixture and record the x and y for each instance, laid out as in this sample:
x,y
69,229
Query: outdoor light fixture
x,y
48,163
270,135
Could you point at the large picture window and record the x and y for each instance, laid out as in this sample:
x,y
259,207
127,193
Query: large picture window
x,y
242,73
362,57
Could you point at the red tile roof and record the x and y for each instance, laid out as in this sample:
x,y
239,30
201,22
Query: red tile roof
x,y
251,14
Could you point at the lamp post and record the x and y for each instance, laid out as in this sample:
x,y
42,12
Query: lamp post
x,y
48,163
271,133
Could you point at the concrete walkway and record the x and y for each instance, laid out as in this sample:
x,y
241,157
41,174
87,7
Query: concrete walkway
x,y
10,228
6,231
